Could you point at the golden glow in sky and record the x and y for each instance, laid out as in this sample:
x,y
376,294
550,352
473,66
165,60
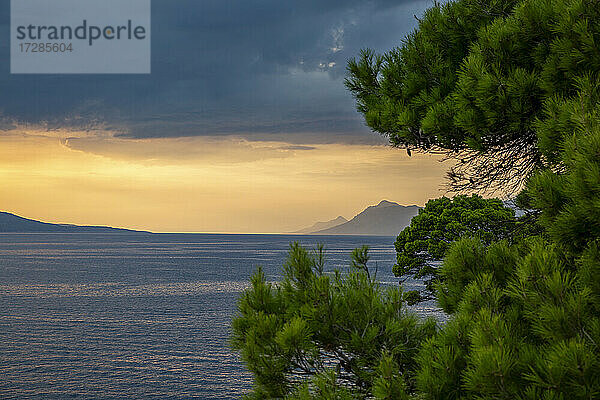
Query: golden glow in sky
x,y
202,184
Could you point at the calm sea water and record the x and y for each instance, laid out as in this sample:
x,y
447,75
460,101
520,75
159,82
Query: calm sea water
x,y
113,316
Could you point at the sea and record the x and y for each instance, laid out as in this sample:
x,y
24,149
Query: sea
x,y
141,316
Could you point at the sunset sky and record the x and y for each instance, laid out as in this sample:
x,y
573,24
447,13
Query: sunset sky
x,y
244,124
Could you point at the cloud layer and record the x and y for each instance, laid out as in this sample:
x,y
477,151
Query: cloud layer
x,y
263,70
202,184
244,124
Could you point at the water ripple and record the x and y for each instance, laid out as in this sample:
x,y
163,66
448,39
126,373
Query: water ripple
x,y
137,316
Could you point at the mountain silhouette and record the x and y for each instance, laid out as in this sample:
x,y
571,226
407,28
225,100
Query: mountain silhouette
x,y
319,226
385,219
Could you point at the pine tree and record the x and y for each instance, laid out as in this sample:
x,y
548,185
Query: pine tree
x,y
339,335
424,243
525,317
475,81
510,77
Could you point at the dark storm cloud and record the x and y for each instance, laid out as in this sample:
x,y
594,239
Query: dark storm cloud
x,y
258,69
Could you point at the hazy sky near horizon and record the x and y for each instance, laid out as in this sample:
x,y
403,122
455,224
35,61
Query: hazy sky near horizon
x,y
244,124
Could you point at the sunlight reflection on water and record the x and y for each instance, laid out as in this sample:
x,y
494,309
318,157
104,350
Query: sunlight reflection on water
x,y
137,316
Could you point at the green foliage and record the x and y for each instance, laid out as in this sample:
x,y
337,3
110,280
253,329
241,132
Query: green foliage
x,y
525,318
324,385
490,82
528,336
572,201
327,336
467,261
499,77
407,92
424,243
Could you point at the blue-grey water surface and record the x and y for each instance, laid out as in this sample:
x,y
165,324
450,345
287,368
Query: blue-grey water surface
x,y
137,316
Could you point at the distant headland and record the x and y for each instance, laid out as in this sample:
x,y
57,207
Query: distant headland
x,y
11,223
